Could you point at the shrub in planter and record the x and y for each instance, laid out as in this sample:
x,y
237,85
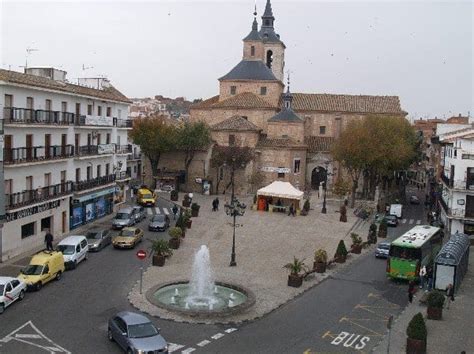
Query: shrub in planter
x,y
175,240
372,236
186,201
195,209
416,335
187,218
341,252
306,206
356,243
181,224
383,229
320,261
295,279
174,195
161,250
435,302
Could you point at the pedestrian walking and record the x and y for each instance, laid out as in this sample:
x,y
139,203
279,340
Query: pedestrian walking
x,y
175,211
48,239
217,203
291,211
429,276
422,275
214,205
449,295
411,290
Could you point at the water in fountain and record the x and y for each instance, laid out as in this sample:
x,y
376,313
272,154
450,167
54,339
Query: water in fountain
x,y
201,292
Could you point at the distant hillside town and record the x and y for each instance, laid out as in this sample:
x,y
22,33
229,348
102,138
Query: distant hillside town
x,y
177,108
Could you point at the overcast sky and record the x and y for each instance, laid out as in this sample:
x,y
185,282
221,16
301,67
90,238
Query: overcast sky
x,y
421,51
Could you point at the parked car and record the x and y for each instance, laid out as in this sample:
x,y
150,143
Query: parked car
x,y
391,220
140,213
125,217
159,223
414,200
74,250
44,267
135,333
396,209
98,239
128,237
11,290
382,250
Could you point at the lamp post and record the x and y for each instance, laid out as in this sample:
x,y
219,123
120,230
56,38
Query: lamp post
x,y
325,183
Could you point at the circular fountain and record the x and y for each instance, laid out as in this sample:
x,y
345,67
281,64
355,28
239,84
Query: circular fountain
x,y
202,295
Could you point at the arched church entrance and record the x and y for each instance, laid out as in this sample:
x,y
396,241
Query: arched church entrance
x,y
318,175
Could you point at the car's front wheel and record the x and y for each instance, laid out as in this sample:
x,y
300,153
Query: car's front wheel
x,y
39,285
109,335
21,295
58,276
2,308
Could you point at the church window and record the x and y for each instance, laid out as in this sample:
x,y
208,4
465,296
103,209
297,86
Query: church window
x,y
281,174
287,104
252,51
296,165
263,90
269,58
322,130
233,90
231,139
267,22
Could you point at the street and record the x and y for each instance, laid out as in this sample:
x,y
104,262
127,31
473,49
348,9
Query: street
x,y
345,313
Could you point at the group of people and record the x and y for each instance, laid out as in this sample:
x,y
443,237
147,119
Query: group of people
x,y
426,278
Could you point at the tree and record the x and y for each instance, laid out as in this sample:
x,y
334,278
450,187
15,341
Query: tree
x,y
191,138
155,136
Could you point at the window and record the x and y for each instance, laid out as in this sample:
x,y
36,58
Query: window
x,y
281,174
48,105
29,103
78,248
296,165
63,106
89,173
99,170
109,111
89,109
269,58
99,110
233,90
322,130
28,230
8,186
63,176
107,139
119,113
263,90
107,169
78,174
231,139
15,283
134,169
8,288
47,179
8,100
252,51
29,183
46,223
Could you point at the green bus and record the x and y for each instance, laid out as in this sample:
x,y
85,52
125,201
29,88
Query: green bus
x,y
414,249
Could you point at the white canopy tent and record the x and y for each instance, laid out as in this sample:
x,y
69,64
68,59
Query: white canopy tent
x,y
283,190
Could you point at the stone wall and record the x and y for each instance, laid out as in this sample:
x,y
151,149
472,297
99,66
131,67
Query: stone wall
x,y
246,138
280,157
278,64
258,50
274,90
293,130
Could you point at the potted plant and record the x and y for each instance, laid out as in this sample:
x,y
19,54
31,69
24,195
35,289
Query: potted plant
x,y
186,201
416,335
174,195
320,261
372,236
161,250
175,237
383,229
187,218
341,252
182,225
435,302
295,279
195,210
356,243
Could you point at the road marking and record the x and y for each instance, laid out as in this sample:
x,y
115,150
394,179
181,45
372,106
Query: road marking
x,y
418,222
411,221
19,335
149,212
203,343
189,350
157,210
217,336
166,211
328,334
172,347
404,221
230,330
350,342
363,327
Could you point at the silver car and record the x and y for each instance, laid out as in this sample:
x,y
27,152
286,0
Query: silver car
x,y
382,250
140,213
124,217
98,239
159,223
135,333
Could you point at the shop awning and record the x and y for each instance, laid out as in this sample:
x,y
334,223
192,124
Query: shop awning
x,y
279,189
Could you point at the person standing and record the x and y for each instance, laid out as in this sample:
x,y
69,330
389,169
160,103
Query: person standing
x,y
449,295
422,275
48,239
175,211
411,290
214,205
429,276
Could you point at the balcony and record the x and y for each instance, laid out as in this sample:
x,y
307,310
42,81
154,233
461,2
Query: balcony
x,y
13,156
93,183
29,197
447,181
135,156
122,176
13,115
462,185
123,123
94,121
123,149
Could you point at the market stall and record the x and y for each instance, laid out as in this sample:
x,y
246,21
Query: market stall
x,y
279,196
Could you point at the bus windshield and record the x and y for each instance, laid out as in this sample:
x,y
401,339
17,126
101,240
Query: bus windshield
x,y
405,253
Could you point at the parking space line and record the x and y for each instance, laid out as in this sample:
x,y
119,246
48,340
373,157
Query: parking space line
x,y
230,330
358,325
166,211
149,212
328,334
203,343
172,347
217,336
189,350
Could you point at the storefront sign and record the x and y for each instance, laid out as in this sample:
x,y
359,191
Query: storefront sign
x,y
94,195
31,211
106,148
276,169
96,120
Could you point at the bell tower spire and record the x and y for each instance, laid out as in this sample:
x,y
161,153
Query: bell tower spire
x,y
267,18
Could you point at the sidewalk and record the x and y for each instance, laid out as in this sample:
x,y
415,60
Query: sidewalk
x,y
452,334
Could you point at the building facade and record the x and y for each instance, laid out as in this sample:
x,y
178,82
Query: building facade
x,y
65,154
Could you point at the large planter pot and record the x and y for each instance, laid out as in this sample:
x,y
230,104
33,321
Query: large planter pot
x,y
183,234
434,313
194,213
295,280
319,267
340,259
158,260
174,243
416,346
356,249
186,203
174,197
189,223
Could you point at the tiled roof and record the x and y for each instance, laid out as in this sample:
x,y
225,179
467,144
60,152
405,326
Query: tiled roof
x,y
250,70
206,103
319,143
235,123
242,100
109,93
280,143
345,103
286,115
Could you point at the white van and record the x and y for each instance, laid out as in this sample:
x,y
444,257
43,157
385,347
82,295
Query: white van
x,y
74,250
396,209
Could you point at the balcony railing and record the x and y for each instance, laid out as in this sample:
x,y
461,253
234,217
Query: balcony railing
x,y
119,176
136,156
92,183
123,123
458,184
447,181
13,115
123,149
37,153
28,197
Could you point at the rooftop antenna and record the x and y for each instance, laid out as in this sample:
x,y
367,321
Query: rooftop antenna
x,y
86,67
29,50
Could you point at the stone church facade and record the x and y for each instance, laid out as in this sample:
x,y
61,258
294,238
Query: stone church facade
x,y
292,133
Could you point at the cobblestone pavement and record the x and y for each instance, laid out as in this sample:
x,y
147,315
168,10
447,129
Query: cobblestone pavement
x,y
264,243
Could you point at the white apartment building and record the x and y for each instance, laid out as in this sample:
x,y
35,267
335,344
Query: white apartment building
x,y
457,195
65,153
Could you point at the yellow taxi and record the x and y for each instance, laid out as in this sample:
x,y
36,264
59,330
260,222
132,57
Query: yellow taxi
x,y
128,237
146,197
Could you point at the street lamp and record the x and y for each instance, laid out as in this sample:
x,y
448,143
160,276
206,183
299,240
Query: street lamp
x,y
324,211
234,209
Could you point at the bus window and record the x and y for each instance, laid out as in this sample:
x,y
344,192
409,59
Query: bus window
x,y
405,253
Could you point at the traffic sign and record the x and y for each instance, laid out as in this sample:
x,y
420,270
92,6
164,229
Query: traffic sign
x,y
141,254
